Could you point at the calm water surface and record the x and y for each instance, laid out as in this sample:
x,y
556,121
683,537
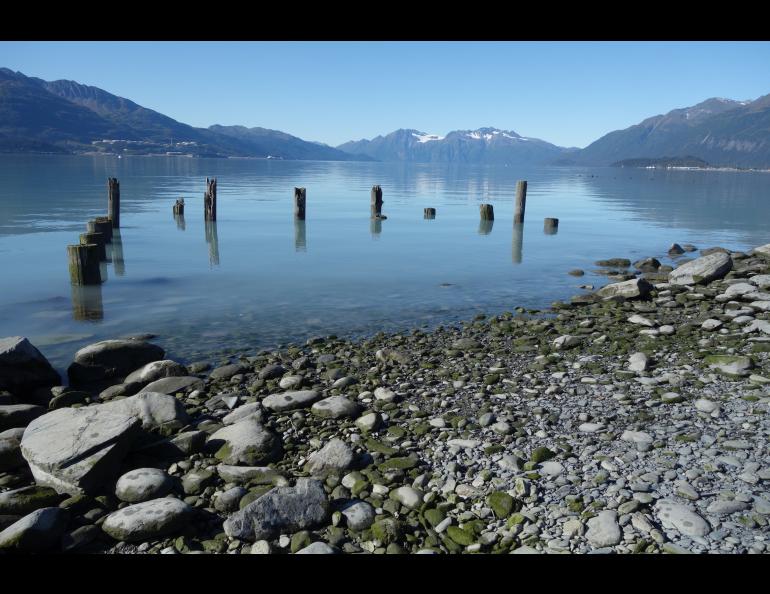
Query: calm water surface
x,y
257,279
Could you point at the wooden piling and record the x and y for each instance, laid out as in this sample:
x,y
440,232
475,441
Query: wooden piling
x,y
376,202
430,213
95,238
299,203
521,201
113,201
84,264
101,225
550,226
210,200
179,206
487,212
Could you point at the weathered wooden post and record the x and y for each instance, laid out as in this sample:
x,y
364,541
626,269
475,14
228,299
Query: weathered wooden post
x,y
429,213
95,238
550,226
517,242
376,202
210,200
212,239
179,206
113,201
521,201
87,302
84,264
101,225
487,212
116,247
300,237
299,203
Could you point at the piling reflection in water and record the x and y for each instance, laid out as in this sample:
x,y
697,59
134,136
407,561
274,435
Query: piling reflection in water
x,y
300,236
87,302
518,241
103,271
485,226
115,253
180,223
375,227
212,239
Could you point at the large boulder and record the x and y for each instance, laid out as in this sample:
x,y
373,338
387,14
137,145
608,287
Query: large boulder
x,y
636,288
281,510
155,371
246,443
36,532
23,368
75,450
763,251
701,270
111,359
148,520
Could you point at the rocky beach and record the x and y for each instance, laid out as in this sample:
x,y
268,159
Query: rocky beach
x,y
632,419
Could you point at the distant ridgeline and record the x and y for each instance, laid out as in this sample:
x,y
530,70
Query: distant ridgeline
x,y
663,162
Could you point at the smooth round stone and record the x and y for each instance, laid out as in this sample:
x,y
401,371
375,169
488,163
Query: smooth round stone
x,y
318,548
290,382
35,532
229,500
407,496
148,520
359,515
720,507
502,428
335,407
551,468
667,330
143,484
291,400
261,547
368,422
384,394
705,405
603,530
590,427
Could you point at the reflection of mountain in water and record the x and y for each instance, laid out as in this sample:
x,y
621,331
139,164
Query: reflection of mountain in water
x,y
706,201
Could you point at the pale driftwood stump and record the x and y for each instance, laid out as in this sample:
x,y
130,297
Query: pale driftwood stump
x,y
487,212
376,204
113,201
521,201
84,264
210,200
299,203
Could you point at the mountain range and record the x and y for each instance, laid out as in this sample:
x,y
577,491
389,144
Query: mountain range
x,y
67,117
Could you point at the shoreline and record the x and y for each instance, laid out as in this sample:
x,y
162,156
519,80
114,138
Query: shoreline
x,y
619,425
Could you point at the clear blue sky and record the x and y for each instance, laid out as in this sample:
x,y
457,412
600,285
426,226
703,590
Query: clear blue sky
x,y
568,93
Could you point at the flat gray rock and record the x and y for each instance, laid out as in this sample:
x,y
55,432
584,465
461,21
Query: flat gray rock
x,y
155,411
701,270
228,371
36,532
334,458
172,385
155,371
111,358
636,288
722,508
291,400
24,500
256,475
681,518
18,415
318,548
247,410
246,443
335,407
604,530
148,520
281,510
142,484
359,515
74,450
23,368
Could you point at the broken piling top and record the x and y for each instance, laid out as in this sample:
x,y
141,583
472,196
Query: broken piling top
x,y
299,203
376,204
179,206
210,200
487,212
113,201
101,225
84,266
521,201
550,226
429,213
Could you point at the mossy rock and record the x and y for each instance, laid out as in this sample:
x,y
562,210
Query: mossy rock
x,y
434,516
460,536
253,495
377,446
400,463
515,520
501,503
387,530
396,431
494,449
541,455
421,429
300,540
